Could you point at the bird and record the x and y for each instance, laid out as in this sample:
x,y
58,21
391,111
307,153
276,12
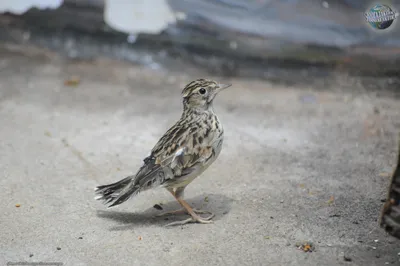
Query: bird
x,y
183,153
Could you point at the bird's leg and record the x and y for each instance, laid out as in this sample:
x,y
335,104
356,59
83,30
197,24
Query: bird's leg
x,y
192,212
179,193
182,210
175,212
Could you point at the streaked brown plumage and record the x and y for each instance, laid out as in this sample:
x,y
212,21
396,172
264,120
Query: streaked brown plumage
x,y
183,152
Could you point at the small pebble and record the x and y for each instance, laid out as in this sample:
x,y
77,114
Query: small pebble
x,y
80,237
281,201
374,248
30,255
58,248
17,205
158,207
347,258
376,240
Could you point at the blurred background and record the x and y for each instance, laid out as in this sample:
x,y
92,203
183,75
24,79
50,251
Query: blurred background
x,y
87,87
228,37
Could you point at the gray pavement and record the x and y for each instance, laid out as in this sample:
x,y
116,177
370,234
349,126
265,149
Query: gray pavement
x,y
299,164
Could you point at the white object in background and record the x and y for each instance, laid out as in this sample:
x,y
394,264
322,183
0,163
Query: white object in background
x,y
21,6
136,16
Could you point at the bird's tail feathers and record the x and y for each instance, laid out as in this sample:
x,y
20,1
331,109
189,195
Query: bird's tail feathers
x,y
118,192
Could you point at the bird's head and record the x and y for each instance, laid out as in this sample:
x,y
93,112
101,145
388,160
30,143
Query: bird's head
x,y
200,93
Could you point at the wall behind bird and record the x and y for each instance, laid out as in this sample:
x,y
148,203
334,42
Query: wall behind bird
x,y
230,32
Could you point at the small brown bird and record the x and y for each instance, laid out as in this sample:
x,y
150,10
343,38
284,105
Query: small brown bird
x,y
182,154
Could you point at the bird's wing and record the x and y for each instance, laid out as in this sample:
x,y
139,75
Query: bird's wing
x,y
183,161
175,154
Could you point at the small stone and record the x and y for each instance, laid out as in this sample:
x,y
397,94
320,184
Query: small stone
x,y
30,255
58,248
376,240
72,81
158,207
373,248
281,201
271,217
377,256
80,237
347,258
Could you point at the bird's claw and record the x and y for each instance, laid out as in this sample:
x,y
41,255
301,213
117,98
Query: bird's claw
x,y
182,211
194,219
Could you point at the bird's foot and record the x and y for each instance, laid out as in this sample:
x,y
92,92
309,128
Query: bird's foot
x,y
195,219
182,211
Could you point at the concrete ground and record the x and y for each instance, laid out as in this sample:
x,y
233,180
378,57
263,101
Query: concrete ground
x,y
299,164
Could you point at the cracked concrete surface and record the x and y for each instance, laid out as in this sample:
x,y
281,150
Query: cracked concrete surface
x,y
298,164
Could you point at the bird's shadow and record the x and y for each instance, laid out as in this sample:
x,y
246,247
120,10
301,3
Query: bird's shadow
x,y
216,203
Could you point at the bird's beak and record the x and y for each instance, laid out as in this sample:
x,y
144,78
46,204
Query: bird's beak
x,y
223,86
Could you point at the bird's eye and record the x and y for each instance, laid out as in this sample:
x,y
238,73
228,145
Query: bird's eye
x,y
202,91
